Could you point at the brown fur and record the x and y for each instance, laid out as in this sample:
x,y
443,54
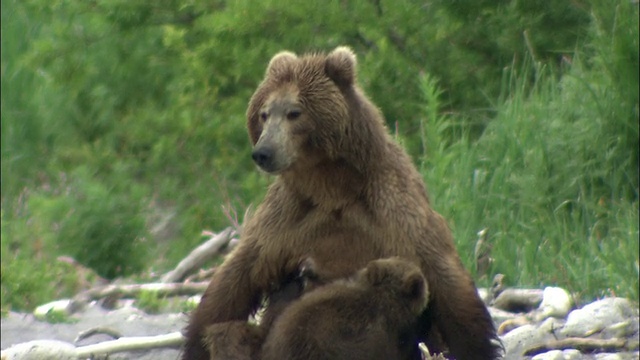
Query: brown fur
x,y
234,340
241,340
364,317
344,194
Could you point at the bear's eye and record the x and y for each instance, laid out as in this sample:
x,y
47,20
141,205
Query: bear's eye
x,y
294,114
263,116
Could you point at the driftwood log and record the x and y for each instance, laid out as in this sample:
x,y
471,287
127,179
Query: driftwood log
x,y
518,300
199,256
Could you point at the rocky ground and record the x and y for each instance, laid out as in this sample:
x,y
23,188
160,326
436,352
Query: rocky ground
x,y
128,321
604,329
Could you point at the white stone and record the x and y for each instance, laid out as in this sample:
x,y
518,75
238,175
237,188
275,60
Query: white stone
x,y
549,355
572,354
55,306
556,302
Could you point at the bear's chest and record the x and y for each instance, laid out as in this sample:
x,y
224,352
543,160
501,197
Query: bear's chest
x,y
340,241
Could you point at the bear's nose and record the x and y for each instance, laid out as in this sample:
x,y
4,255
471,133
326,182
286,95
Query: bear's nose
x,y
262,156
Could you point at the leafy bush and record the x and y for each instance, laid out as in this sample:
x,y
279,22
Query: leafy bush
x,y
29,276
99,225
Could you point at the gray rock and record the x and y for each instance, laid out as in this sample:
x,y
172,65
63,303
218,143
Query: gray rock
x,y
570,354
597,316
618,356
525,337
610,318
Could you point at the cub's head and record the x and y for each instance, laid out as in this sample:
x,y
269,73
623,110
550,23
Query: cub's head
x,y
298,115
400,277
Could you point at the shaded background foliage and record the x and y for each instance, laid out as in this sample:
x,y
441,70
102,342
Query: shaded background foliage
x,y
123,121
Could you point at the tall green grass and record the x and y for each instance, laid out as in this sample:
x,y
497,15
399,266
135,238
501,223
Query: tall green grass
x,y
553,179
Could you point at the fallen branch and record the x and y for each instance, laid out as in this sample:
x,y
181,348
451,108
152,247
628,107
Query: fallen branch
x,y
202,275
199,256
133,290
174,339
169,285
95,331
582,344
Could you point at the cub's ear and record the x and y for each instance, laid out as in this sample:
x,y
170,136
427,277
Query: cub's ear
x,y
340,66
281,63
414,286
308,274
307,269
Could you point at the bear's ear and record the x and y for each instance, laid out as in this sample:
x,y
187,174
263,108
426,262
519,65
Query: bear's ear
x,y
254,125
308,274
281,63
414,286
340,66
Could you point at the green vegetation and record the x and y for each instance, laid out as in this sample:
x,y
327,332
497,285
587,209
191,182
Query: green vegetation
x,y
58,317
123,129
150,302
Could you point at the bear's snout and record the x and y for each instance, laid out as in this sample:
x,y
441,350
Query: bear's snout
x,y
263,157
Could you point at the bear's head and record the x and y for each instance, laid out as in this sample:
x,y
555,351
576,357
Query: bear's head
x,y
399,277
301,109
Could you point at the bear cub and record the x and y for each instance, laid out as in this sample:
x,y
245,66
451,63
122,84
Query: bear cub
x,y
361,317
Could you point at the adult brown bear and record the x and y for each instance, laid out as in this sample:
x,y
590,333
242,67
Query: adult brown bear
x,y
344,194
362,317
